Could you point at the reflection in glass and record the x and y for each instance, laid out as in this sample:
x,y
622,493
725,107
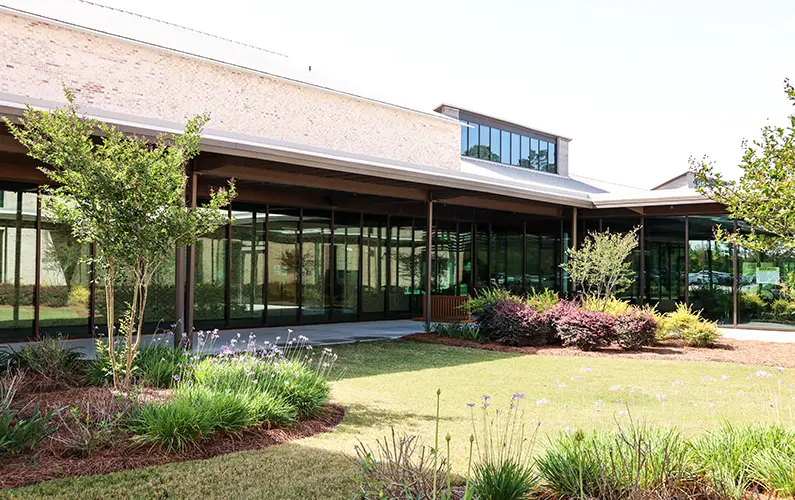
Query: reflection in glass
x,y
710,272
505,147
210,276
374,265
17,263
534,152
247,272
418,261
474,140
283,265
444,259
464,265
400,265
552,158
345,300
542,156
495,144
514,260
498,257
315,266
464,137
665,261
65,281
515,150
482,256
484,151
524,161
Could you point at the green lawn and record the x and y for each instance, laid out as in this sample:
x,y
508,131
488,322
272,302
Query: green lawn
x,y
394,384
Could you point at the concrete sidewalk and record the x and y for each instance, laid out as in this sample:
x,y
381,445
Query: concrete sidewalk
x,y
319,335
761,335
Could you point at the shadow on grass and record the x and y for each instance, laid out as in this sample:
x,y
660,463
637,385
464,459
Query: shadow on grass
x,y
288,471
358,415
393,356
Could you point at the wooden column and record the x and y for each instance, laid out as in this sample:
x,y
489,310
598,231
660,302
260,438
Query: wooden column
x,y
428,245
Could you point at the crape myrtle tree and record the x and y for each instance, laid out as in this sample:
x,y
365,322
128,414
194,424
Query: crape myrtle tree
x,y
125,194
601,267
764,195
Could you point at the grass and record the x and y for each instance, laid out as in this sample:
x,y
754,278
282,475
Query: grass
x,y
394,384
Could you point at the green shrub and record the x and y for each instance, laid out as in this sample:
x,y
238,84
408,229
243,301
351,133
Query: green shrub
x,y
508,479
79,295
466,331
608,305
160,365
678,320
775,469
636,463
783,310
19,434
174,425
701,334
542,301
487,297
57,365
731,459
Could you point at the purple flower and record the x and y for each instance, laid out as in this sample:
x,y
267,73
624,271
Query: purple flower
x,y
516,396
176,378
471,405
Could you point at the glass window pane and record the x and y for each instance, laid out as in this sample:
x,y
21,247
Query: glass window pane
x,y
210,276
464,258
65,281
665,261
400,265
474,140
514,149
17,264
505,147
534,154
710,269
374,265
514,247
482,256
464,137
542,156
524,161
346,266
484,151
315,266
553,165
495,144
283,265
247,273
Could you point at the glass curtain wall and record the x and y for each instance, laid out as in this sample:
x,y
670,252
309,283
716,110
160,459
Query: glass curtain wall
x,y
247,269
283,265
401,256
445,259
374,267
315,266
710,269
633,293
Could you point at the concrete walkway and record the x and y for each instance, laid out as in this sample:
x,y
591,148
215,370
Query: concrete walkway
x,y
761,335
318,335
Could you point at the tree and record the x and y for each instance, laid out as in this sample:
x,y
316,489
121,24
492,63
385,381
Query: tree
x,y
483,152
124,193
764,196
601,266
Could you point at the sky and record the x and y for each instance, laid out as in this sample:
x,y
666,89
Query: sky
x,y
640,86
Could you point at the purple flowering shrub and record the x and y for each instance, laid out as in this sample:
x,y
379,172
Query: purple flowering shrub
x,y
635,329
586,330
513,323
551,317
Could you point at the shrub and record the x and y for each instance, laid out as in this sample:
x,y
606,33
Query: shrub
x,y
466,331
175,425
586,330
775,469
487,297
783,310
635,329
398,467
159,365
79,295
683,317
503,470
732,458
634,463
513,323
57,365
542,301
701,334
608,305
19,434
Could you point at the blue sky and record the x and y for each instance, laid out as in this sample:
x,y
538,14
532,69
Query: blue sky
x,y
639,85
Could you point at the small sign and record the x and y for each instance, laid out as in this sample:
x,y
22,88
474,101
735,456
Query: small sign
x,y
766,272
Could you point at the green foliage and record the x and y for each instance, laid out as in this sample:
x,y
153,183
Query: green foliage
x,y
601,266
159,365
783,310
678,320
100,370
638,462
47,357
542,301
764,196
731,459
609,305
175,425
79,295
486,297
505,480
17,433
124,193
466,331
702,334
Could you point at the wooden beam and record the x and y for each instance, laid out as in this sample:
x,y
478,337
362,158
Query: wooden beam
x,y
316,181
10,145
507,205
15,172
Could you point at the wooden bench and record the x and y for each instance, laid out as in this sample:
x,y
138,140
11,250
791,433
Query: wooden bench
x,y
447,308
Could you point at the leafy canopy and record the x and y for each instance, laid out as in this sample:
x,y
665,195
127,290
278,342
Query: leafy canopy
x,y
764,196
601,266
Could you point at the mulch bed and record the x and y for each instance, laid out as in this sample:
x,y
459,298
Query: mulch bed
x,y
748,352
46,464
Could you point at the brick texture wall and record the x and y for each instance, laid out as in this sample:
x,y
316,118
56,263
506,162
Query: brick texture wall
x,y
118,76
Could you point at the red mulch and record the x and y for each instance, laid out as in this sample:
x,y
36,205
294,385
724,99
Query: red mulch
x,y
46,463
748,352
